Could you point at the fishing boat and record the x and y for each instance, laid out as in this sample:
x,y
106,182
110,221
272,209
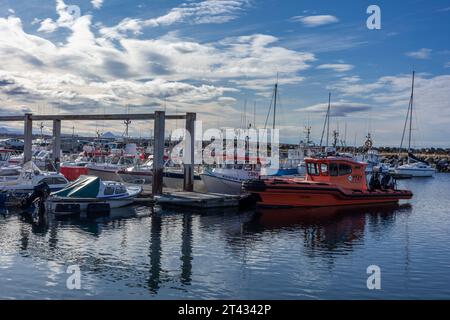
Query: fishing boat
x,y
329,181
173,176
29,177
228,178
8,170
414,167
108,169
89,192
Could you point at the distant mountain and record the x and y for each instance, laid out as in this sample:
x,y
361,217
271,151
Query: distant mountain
x,y
109,135
4,130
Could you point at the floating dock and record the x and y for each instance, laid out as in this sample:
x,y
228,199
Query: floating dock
x,y
198,200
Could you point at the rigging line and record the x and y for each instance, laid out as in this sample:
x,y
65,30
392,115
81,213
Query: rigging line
x,y
404,126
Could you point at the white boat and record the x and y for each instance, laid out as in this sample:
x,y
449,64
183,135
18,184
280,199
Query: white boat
x,y
89,192
8,170
141,173
30,176
108,169
173,177
415,169
228,179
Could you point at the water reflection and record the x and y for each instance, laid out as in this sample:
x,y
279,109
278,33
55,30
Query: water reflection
x,y
327,228
155,254
111,246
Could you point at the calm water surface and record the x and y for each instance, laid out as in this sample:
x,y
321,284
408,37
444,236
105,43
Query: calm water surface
x,y
135,253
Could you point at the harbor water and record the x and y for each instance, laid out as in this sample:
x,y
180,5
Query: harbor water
x,y
141,253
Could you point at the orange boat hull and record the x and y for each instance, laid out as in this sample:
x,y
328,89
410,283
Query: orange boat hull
x,y
276,194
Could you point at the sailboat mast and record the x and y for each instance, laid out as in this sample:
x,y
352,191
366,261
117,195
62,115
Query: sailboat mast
x,y
328,117
327,122
275,105
411,101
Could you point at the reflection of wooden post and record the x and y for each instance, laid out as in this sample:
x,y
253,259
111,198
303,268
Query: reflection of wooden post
x,y
188,184
186,250
158,153
56,143
28,137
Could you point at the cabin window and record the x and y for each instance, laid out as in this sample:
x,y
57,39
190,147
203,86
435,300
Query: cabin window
x,y
334,172
324,169
121,190
313,169
51,181
109,191
344,169
59,181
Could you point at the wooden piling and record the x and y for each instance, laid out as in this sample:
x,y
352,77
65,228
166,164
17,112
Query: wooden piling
x,y
158,153
189,155
28,137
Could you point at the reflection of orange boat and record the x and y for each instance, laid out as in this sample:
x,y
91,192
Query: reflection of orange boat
x,y
330,181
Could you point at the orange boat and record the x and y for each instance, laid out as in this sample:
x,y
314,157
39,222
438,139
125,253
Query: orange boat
x,y
329,181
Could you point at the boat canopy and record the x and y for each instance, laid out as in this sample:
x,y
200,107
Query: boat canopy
x,y
83,187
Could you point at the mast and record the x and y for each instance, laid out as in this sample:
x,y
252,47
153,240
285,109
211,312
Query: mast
x,y
254,115
275,104
408,118
327,122
411,101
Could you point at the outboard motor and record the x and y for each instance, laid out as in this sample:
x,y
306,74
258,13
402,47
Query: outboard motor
x,y
374,183
39,195
387,182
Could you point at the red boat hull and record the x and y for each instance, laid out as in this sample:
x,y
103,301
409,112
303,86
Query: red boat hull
x,y
305,194
73,172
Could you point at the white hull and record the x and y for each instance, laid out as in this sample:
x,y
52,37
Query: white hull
x,y
416,172
113,203
215,184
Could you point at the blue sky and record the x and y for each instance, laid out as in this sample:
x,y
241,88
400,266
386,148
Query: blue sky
x,y
212,56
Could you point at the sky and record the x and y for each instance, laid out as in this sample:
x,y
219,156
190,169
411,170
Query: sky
x,y
221,57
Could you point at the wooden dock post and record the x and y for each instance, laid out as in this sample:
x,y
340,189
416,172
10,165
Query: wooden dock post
x,y
28,137
56,143
189,154
158,153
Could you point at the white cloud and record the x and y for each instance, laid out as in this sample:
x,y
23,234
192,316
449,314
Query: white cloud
x,y
207,11
315,21
86,72
11,11
423,53
338,67
447,65
341,108
67,16
97,4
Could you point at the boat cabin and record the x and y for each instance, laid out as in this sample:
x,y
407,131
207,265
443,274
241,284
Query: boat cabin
x,y
344,172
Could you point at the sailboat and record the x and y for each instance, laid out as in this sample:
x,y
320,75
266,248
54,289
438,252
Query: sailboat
x,y
414,167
